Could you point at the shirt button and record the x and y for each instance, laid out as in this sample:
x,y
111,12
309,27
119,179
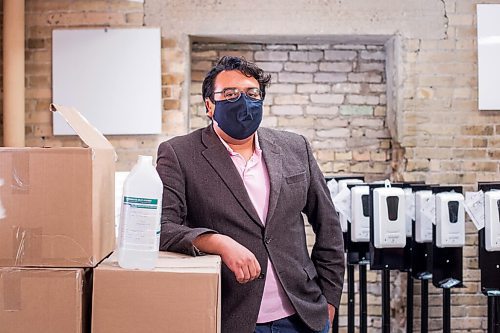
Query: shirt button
x,y
261,276
267,240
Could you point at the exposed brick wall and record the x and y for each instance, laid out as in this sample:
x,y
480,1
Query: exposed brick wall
x,y
41,18
333,94
442,137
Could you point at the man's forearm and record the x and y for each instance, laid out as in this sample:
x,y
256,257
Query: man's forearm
x,y
237,258
210,243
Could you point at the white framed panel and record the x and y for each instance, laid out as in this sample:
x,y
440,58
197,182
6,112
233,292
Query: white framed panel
x,y
488,52
112,76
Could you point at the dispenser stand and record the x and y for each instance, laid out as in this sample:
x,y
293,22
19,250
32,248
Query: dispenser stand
x,y
447,269
421,267
489,264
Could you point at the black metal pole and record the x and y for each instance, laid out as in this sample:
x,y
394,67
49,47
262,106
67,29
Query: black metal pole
x,y
446,311
362,300
409,303
335,328
386,301
350,299
496,311
424,309
493,314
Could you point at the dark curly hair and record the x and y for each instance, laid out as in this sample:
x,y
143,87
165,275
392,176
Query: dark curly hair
x,y
229,63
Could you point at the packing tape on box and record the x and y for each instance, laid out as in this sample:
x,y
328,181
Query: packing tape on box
x,y
20,183
10,282
28,248
27,243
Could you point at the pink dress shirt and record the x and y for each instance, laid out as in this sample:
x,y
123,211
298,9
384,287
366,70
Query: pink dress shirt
x,y
275,303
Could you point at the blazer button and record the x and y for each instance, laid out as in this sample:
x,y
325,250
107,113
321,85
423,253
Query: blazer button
x,y
261,276
267,240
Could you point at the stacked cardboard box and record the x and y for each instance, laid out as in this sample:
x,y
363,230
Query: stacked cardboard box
x,y
44,299
57,223
182,294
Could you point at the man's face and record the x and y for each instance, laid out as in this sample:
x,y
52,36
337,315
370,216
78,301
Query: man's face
x,y
228,79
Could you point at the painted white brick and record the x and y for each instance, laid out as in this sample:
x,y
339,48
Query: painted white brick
x,y
372,55
330,77
334,133
313,46
335,67
329,143
271,55
377,88
329,122
301,67
279,47
368,122
295,77
281,88
270,66
353,88
349,47
340,55
365,77
360,100
371,67
327,98
291,99
285,110
322,110
313,88
306,55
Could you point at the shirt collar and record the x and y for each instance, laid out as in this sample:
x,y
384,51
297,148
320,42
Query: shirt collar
x,y
257,150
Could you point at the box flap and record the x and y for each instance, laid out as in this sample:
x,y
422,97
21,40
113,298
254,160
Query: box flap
x,y
88,133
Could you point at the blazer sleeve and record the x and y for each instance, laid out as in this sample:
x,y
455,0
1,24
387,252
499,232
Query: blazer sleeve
x,y
175,235
328,250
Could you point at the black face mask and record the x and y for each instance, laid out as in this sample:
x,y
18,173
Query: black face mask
x,y
239,119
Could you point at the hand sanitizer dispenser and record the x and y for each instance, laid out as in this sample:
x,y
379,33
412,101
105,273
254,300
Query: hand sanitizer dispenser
x,y
450,220
360,224
410,210
423,224
492,220
389,220
342,186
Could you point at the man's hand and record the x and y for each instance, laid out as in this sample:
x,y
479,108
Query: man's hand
x,y
331,312
237,258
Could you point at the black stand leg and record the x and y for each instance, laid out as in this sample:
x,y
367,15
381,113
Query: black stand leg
x,y
446,311
362,300
424,314
386,301
409,303
350,299
493,314
335,328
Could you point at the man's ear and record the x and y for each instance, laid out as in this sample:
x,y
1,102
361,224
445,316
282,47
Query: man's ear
x,y
210,107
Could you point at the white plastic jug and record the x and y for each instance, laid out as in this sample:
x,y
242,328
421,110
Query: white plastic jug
x,y
139,229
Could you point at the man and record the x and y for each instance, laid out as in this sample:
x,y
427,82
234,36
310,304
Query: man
x,y
237,190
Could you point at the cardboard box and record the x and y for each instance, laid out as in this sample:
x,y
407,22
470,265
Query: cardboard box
x,y
182,294
44,300
57,204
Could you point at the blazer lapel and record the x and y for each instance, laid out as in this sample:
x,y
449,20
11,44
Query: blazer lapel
x,y
273,158
218,157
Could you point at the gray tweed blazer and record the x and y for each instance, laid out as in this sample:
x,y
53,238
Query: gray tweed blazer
x,y
204,193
